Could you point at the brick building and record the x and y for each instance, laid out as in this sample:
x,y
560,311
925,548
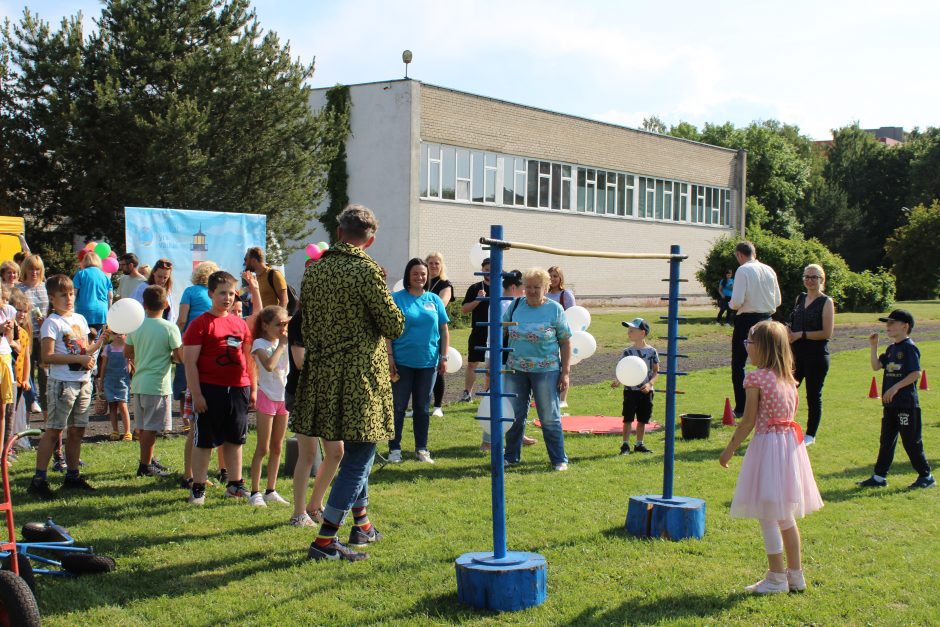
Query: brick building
x,y
438,166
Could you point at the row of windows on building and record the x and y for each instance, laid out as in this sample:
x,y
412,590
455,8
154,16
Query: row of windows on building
x,y
461,174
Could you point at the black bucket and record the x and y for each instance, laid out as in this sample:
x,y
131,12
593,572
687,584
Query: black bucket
x,y
696,426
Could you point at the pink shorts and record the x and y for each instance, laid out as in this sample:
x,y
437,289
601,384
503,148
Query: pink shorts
x,y
265,405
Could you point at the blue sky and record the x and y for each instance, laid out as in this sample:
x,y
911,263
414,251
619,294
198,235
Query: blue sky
x,y
817,64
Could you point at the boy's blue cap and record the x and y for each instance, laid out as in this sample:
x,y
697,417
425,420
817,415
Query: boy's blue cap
x,y
900,315
637,323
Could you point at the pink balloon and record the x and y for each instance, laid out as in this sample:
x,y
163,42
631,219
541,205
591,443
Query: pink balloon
x,y
311,249
109,265
113,255
315,254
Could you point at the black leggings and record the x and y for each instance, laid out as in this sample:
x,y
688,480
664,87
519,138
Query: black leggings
x,y
438,390
812,367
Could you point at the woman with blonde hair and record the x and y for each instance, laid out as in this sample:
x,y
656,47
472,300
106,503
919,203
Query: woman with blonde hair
x,y
538,363
564,297
93,291
9,273
33,285
811,325
438,284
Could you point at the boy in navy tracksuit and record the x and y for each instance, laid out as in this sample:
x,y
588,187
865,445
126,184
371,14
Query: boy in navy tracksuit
x,y
901,363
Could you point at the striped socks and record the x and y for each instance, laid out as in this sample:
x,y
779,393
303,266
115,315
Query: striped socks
x,y
327,533
361,519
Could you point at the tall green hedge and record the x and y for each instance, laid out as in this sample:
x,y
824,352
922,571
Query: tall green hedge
x,y
851,291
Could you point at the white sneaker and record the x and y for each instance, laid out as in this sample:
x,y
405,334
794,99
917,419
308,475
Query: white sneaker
x,y
772,583
560,467
796,581
409,413
424,456
275,499
303,520
35,408
257,500
438,412
807,440
563,405
394,457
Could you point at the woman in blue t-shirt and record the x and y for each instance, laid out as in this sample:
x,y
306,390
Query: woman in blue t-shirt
x,y
539,361
417,357
93,291
725,288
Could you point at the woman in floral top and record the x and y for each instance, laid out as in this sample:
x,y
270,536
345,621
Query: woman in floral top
x,y
540,364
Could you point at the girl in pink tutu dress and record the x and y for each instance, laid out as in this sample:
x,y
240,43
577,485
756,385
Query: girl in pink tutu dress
x,y
776,483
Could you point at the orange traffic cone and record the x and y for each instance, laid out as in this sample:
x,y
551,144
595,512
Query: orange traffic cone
x,y
873,390
923,380
727,419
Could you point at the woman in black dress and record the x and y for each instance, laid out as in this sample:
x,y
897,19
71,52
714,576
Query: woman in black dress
x,y
438,284
811,325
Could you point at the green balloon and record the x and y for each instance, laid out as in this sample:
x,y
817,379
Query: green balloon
x,y
102,250
322,245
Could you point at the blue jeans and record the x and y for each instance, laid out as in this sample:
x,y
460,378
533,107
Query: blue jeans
x,y
544,386
351,485
414,384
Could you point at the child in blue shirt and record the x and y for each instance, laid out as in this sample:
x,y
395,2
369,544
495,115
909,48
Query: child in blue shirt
x,y
638,399
901,416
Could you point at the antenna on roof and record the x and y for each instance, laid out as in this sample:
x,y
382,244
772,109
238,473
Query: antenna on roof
x,y
406,56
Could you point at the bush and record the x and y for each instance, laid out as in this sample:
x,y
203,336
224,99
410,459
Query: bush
x,y
458,319
916,256
788,257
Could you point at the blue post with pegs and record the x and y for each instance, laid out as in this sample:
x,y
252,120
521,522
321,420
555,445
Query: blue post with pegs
x,y
501,580
666,515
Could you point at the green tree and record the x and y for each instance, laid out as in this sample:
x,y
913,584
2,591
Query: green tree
x,y
916,256
925,166
173,103
876,181
654,125
685,130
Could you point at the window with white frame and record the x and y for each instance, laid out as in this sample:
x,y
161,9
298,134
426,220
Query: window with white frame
x,y
477,176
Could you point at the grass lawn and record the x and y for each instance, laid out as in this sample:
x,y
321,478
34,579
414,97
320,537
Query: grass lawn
x,y
870,556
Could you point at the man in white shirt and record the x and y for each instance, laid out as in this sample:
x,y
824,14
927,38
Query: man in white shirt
x,y
755,297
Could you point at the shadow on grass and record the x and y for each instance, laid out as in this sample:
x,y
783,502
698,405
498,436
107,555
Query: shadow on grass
x,y
642,611
200,573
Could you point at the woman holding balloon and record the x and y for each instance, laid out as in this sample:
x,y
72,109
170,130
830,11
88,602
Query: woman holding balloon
x,y
93,291
438,284
540,359
564,297
416,357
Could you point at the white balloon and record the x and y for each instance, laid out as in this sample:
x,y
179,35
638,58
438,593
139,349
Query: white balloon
x,y
583,345
574,361
454,360
477,255
483,411
631,370
125,316
579,318
399,286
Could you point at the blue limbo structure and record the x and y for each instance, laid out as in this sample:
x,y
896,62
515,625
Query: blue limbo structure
x,y
504,580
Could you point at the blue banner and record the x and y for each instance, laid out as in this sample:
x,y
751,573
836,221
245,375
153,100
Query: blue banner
x,y
188,238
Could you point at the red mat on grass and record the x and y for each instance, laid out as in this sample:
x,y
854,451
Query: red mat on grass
x,y
599,425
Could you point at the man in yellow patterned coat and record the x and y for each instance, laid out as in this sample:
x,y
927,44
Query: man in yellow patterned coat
x,y
344,392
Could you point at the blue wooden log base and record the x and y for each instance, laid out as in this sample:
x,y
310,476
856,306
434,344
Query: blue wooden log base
x,y
516,582
652,516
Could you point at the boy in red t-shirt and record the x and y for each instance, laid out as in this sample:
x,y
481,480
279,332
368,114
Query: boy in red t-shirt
x,y
217,356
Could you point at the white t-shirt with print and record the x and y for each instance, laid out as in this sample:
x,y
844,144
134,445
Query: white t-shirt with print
x,y
71,338
273,382
7,312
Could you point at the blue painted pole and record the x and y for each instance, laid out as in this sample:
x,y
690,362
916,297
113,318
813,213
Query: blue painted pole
x,y
496,395
672,364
